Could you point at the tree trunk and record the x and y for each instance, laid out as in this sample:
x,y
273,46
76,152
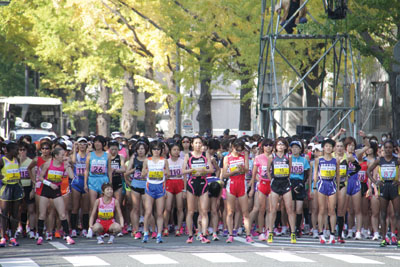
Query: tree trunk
x,y
171,102
245,103
150,108
103,119
129,110
394,91
204,116
81,122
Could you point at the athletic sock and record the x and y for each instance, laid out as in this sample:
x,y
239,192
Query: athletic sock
x,y
298,221
74,218
24,218
40,227
85,221
307,218
64,224
340,220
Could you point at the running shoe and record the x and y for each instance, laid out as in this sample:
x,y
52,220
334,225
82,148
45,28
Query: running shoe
x,y
270,237
293,238
376,236
69,240
13,242
165,232
234,232
31,235
322,239
73,233
240,231
106,235
278,231
340,240
84,233
189,240
255,233
177,233
249,239
398,244
383,243
298,233
153,235
306,229
111,240
284,230
358,235
204,240
89,233
159,239
145,239
230,239
49,236
394,240
262,237
57,234
332,240
350,234
125,230
100,240
225,233
138,235
129,229
215,237
39,241
120,234
315,234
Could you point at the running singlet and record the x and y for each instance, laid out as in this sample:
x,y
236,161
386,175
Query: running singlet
x,y
280,167
106,211
156,171
137,174
197,163
10,171
343,169
98,165
388,169
362,174
55,174
261,162
327,168
175,169
116,165
80,166
299,165
351,171
23,171
234,163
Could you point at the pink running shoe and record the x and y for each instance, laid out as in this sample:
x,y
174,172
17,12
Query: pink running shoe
x,y
70,241
189,240
249,239
153,235
138,235
204,240
39,241
230,239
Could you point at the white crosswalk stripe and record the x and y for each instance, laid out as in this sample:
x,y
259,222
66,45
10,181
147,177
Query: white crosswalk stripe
x,y
351,258
218,257
394,257
86,261
283,257
17,262
153,259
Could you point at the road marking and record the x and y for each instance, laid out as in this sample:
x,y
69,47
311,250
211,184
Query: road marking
x,y
17,262
218,257
351,258
255,244
86,261
153,259
283,257
58,245
394,257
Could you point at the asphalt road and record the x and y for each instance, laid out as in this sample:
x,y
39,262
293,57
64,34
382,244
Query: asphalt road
x,y
174,251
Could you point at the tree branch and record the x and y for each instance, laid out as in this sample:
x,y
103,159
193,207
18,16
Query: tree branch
x,y
135,36
179,44
376,50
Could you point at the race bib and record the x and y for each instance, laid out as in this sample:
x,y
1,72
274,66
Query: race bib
x,y
106,214
388,172
55,176
80,169
23,171
281,170
343,170
156,175
328,172
297,167
98,167
175,171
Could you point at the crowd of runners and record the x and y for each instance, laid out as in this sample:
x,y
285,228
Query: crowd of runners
x,y
329,188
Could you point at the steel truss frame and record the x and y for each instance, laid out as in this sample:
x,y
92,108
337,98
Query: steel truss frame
x,y
338,44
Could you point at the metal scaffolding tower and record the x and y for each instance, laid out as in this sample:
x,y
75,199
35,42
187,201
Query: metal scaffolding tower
x,y
273,101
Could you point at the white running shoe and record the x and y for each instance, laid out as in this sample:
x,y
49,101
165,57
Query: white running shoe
x,y
376,236
31,235
49,236
111,240
315,233
262,237
120,234
90,233
100,240
84,233
358,235
350,234
284,230
332,240
73,233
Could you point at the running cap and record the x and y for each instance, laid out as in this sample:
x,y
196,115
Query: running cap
x,y
297,143
82,139
317,147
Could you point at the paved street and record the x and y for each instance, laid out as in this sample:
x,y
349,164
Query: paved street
x,y
174,251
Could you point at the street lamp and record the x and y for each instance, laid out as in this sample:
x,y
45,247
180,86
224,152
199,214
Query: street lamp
x,y
4,3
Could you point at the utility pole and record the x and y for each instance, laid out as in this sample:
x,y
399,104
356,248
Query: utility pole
x,y
178,91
